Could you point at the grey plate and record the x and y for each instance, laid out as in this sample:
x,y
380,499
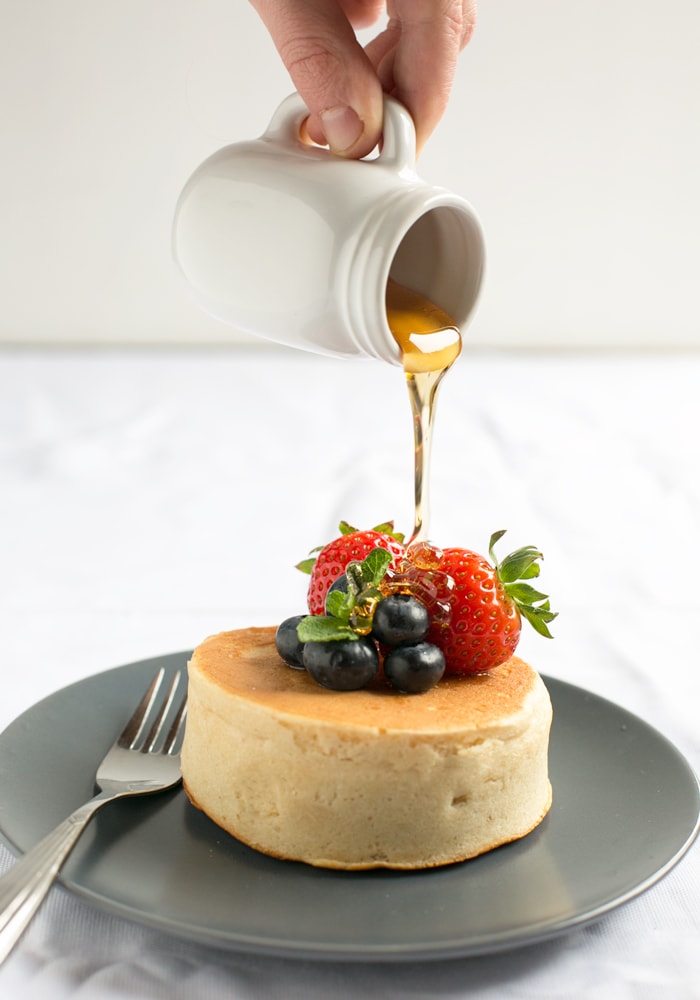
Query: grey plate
x,y
625,810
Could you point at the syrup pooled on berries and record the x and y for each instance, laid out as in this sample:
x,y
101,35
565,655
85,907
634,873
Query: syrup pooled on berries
x,y
419,574
430,343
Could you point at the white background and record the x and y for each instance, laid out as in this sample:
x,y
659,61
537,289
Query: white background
x,y
573,129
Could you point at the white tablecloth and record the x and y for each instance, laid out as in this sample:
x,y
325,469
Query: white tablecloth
x,y
150,499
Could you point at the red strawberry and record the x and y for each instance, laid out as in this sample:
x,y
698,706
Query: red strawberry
x,y
330,563
486,607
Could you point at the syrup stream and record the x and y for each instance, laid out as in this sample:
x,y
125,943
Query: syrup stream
x,y
430,343
422,392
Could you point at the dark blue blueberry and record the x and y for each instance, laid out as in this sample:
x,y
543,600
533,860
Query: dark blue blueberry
x,y
287,642
414,669
342,664
400,618
340,584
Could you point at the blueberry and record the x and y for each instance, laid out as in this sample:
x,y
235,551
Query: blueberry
x,y
340,584
400,618
414,669
342,664
287,642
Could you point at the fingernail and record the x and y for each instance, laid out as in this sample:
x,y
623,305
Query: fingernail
x,y
342,128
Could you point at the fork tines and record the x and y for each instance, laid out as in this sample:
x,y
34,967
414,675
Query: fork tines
x,y
146,727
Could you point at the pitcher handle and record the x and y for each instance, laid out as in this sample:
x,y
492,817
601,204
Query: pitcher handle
x,y
398,150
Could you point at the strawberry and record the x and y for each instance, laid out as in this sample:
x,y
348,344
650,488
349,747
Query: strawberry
x,y
487,605
352,545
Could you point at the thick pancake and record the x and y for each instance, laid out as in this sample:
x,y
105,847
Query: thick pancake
x,y
366,778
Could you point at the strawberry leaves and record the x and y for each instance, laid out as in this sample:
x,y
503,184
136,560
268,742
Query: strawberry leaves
x,y
513,571
306,565
344,528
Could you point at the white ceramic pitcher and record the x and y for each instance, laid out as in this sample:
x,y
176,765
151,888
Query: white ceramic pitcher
x,y
282,239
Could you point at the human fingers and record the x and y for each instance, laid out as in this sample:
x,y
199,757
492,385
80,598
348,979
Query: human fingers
x,y
362,13
416,55
316,42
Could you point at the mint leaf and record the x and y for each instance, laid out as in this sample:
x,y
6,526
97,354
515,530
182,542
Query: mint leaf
x,y
349,614
375,565
339,605
318,628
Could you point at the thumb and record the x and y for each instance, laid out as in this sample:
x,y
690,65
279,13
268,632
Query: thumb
x,y
329,68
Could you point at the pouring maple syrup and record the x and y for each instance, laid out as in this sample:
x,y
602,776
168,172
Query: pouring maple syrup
x,y
430,343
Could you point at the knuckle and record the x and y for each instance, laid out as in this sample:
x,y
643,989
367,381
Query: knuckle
x,y
456,16
311,63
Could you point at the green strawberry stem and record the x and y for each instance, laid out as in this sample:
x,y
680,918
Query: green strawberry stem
x,y
521,565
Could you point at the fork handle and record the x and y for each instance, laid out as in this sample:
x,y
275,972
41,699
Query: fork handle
x,y
24,887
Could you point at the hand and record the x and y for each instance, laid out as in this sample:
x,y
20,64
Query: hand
x,y
414,59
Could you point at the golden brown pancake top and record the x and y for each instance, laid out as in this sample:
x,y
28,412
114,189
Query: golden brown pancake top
x,y
246,664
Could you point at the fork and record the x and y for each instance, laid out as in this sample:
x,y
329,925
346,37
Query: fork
x,y
144,758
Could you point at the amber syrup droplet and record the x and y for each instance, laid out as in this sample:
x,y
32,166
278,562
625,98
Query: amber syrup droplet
x,y
430,343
